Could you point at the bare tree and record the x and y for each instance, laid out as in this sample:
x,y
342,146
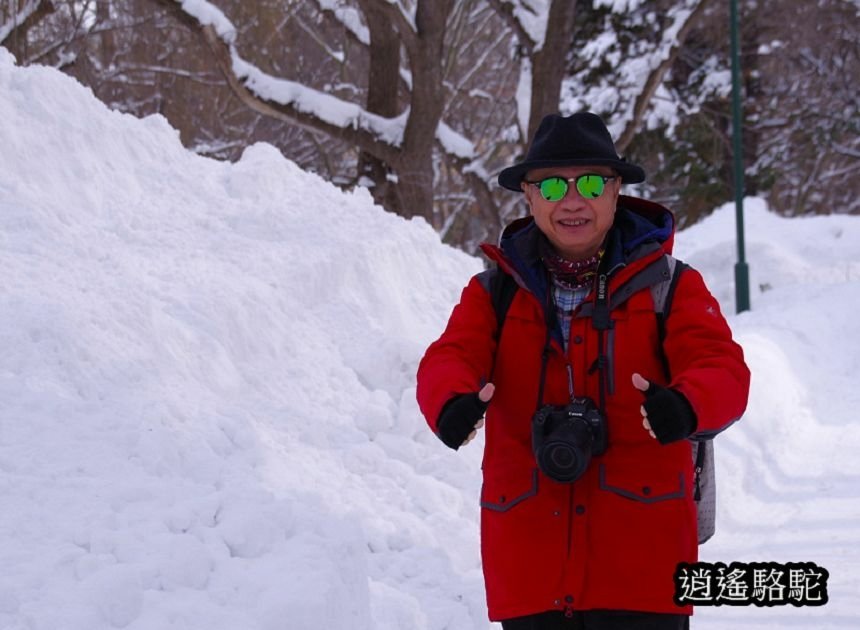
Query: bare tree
x,y
424,101
539,48
808,119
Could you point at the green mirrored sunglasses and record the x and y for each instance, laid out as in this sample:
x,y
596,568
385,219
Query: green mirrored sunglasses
x,y
589,185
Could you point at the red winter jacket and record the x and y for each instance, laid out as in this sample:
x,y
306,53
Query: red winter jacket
x,y
613,538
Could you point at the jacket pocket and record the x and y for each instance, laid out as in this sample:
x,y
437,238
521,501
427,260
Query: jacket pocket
x,y
500,494
652,488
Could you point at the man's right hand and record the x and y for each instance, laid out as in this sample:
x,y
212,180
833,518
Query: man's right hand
x,y
462,416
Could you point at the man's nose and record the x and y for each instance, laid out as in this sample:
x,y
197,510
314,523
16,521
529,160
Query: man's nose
x,y
572,201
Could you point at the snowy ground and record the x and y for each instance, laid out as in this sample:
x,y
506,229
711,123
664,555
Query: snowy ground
x,y
207,415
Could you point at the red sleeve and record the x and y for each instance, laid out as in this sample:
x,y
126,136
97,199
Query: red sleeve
x,y
707,366
460,360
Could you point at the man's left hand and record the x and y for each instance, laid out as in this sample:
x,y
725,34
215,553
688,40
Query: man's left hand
x,y
666,414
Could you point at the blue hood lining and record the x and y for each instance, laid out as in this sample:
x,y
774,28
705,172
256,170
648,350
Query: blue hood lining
x,y
630,230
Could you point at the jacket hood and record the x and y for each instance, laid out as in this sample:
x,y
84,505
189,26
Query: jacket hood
x,y
637,223
640,228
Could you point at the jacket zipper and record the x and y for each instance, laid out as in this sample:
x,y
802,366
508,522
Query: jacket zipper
x,y
570,522
572,395
610,360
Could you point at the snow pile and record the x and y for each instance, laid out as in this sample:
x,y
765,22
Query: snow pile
x,y
207,414
207,387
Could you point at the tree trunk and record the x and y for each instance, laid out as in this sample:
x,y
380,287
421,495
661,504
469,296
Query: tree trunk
x,y
548,66
415,171
108,45
383,81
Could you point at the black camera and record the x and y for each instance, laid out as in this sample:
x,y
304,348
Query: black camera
x,y
565,438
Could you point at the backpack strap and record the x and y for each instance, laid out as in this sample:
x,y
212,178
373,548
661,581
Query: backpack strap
x,y
502,289
663,293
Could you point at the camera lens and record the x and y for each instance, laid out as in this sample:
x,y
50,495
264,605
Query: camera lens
x,y
565,455
562,457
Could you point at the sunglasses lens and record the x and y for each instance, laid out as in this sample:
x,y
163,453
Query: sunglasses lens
x,y
590,186
553,188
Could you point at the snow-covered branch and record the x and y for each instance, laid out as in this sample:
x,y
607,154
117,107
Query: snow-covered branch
x,y
31,11
325,107
527,18
287,100
454,144
508,10
347,17
207,14
297,103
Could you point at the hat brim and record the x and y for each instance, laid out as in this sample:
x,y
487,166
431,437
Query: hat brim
x,y
512,176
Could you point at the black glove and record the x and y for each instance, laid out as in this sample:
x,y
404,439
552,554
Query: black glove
x,y
669,413
458,419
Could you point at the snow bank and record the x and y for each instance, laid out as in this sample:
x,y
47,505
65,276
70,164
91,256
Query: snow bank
x,y
207,414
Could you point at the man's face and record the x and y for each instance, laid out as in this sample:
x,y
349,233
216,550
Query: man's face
x,y
575,225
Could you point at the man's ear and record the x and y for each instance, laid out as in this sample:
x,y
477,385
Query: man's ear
x,y
617,186
526,193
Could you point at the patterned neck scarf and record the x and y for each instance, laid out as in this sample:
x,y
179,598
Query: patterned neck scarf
x,y
571,274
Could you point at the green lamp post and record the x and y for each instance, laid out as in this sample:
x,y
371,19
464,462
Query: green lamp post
x,y
742,281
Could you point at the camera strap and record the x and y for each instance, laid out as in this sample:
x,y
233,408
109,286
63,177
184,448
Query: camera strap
x,y
602,322
549,320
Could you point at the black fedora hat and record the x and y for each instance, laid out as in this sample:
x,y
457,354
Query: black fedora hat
x,y
578,139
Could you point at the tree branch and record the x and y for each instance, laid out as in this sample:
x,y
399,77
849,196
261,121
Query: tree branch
x,y
76,37
334,13
846,151
476,179
126,71
355,130
505,9
288,101
655,77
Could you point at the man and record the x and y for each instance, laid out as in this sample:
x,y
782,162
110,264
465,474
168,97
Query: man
x,y
587,502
